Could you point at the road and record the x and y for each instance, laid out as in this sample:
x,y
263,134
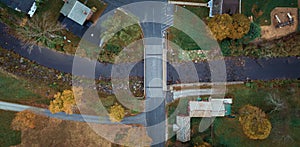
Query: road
x,y
138,119
254,69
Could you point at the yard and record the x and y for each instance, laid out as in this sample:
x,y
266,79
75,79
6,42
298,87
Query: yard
x,y
285,121
19,91
8,137
181,42
14,19
54,6
261,9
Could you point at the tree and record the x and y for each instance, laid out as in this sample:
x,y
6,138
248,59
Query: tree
x,y
41,31
220,26
241,26
64,101
24,120
117,113
226,26
254,122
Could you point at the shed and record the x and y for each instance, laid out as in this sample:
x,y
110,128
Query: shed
x,y
26,6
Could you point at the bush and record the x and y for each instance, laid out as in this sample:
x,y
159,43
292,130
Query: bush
x,y
254,32
225,47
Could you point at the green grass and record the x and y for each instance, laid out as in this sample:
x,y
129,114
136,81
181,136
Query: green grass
x,y
180,38
228,131
196,1
266,6
286,122
13,90
8,137
201,12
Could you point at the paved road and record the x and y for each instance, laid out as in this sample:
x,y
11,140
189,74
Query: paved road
x,y
255,69
138,119
263,69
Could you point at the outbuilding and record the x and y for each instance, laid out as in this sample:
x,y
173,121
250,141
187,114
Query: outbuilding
x,y
26,6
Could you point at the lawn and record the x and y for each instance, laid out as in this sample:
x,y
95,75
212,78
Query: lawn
x,y
201,12
8,137
17,90
261,9
196,1
285,122
179,37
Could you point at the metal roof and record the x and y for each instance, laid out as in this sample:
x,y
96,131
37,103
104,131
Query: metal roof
x,y
76,11
67,7
213,108
184,132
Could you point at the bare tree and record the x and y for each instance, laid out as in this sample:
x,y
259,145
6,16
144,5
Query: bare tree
x,y
278,103
41,31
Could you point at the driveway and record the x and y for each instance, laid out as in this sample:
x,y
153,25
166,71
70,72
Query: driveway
x,y
138,119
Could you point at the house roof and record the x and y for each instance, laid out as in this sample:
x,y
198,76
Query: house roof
x,y
23,5
67,7
213,108
183,132
76,11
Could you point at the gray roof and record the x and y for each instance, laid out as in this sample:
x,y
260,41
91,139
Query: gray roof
x,y
183,133
66,9
23,5
76,11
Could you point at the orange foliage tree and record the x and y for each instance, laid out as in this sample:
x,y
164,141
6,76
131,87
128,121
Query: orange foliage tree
x,y
254,122
24,120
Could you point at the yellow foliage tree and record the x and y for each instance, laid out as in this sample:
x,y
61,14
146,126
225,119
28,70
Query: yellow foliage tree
x,y
64,101
117,113
226,26
24,120
241,26
254,122
220,26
